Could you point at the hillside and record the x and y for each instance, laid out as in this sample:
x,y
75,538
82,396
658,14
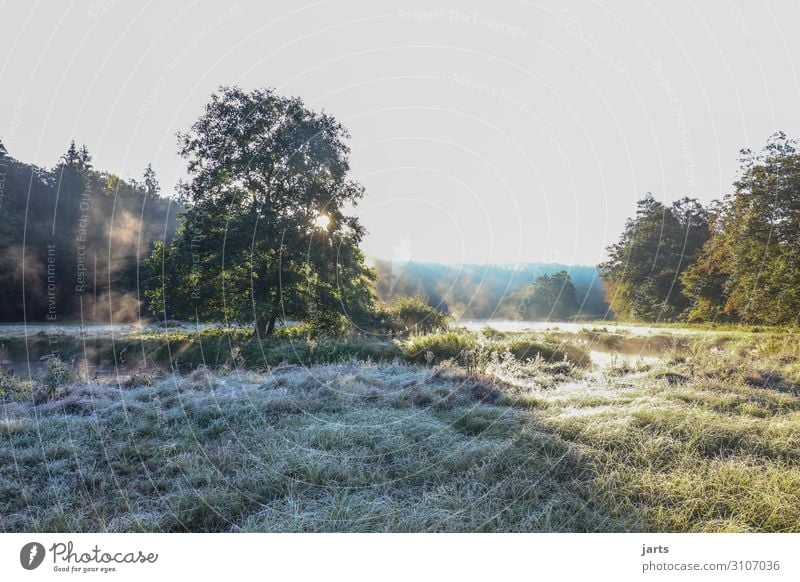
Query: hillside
x,y
478,291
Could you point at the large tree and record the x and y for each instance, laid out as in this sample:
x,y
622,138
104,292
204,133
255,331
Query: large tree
x,y
704,282
750,269
643,272
266,236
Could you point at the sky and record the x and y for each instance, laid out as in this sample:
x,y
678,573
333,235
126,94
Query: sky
x,y
504,132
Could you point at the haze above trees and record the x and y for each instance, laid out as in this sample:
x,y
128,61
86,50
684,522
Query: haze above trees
x,y
71,239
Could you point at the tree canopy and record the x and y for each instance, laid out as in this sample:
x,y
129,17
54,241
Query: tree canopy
x,y
749,269
643,270
736,260
71,238
266,236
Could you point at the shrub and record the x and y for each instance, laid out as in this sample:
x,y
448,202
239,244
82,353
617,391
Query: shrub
x,y
437,347
414,314
58,374
475,351
524,348
294,331
9,383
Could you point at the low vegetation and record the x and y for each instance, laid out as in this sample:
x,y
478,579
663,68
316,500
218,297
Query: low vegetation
x,y
474,351
705,439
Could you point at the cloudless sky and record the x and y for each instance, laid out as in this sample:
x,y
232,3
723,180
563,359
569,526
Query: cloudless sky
x,y
484,132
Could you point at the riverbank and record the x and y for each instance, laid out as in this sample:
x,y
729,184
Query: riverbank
x,y
126,350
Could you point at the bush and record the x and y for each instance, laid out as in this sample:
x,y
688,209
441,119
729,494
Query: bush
x,y
58,374
476,351
9,383
437,347
294,331
524,348
414,314
307,351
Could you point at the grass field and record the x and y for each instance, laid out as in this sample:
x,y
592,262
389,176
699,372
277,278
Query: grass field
x,y
448,432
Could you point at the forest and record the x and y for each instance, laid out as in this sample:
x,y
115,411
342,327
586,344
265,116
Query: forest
x,y
734,260
99,248
73,239
83,244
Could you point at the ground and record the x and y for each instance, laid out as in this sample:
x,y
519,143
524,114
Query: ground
x,y
705,438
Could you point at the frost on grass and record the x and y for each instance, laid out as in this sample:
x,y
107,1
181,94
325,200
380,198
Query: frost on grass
x,y
519,444
350,447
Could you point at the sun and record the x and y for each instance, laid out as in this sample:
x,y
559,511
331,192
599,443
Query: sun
x,y
322,221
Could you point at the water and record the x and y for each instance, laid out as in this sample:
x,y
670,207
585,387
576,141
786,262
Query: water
x,y
601,357
571,327
121,329
95,330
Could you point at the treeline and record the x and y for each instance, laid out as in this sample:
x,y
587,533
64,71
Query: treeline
x,y
535,291
736,260
72,239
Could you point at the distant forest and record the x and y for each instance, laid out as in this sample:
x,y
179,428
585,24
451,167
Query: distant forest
x,y
494,291
72,239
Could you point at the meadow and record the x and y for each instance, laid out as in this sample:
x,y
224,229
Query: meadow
x,y
448,431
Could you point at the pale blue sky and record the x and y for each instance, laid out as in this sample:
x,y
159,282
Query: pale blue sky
x,y
495,132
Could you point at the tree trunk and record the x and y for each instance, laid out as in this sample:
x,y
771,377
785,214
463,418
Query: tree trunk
x,y
271,324
261,327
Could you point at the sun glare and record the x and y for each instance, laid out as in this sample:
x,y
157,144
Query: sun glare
x,y
322,221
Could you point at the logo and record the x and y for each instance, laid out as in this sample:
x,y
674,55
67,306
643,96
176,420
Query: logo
x,y
31,555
